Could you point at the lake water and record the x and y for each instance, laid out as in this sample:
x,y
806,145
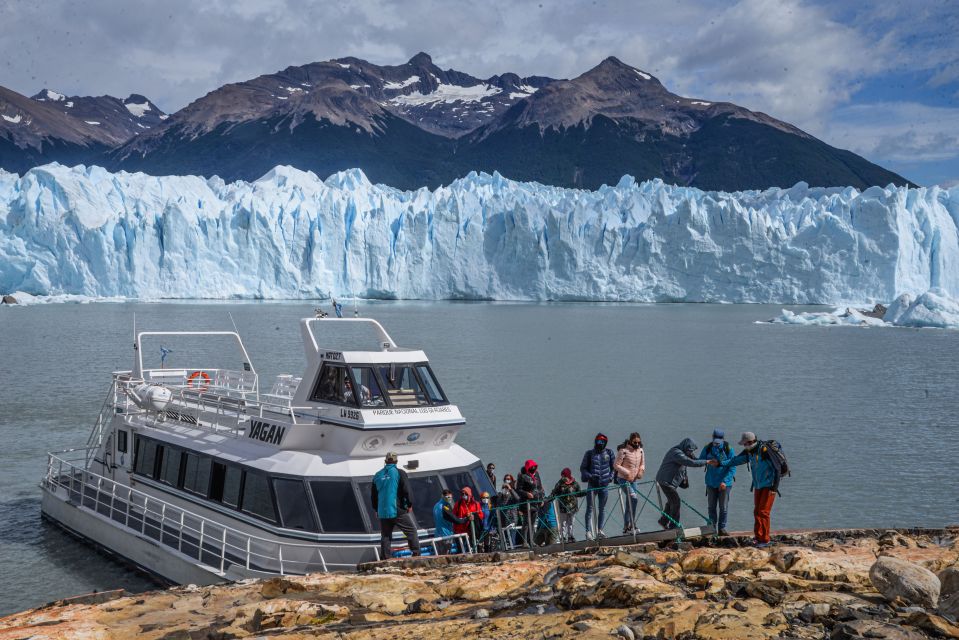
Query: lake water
x,y
868,417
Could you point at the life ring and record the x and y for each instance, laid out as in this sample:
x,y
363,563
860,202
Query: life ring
x,y
202,376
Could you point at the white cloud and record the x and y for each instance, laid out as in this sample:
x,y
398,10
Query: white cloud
x,y
897,131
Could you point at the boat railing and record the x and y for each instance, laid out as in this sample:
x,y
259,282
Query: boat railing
x,y
554,522
201,540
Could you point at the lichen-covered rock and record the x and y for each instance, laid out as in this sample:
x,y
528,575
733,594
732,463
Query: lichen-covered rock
x,y
895,578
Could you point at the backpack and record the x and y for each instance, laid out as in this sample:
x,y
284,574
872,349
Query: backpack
x,y
773,452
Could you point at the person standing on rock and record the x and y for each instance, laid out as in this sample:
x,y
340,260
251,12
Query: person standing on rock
x,y
719,479
630,466
763,484
596,470
672,477
393,502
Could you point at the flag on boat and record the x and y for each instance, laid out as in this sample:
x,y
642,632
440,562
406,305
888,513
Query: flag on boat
x,y
338,309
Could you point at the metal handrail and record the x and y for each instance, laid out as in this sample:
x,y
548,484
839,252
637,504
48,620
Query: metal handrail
x,y
534,515
213,539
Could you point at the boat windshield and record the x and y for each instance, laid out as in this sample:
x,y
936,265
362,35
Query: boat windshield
x,y
382,385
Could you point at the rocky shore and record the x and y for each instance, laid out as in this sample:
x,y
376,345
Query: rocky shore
x,y
842,585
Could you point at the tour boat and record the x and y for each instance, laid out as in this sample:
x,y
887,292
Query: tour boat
x,y
194,475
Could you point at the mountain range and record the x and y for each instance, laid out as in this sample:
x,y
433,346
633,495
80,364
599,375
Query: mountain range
x,y
414,125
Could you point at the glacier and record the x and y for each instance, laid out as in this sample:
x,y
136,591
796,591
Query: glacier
x,y
932,309
83,231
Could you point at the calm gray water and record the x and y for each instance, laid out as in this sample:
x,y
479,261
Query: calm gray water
x,y
868,417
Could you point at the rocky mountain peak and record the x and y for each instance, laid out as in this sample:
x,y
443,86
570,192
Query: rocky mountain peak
x,y
421,60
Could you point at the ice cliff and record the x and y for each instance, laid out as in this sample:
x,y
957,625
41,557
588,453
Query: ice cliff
x,y
291,235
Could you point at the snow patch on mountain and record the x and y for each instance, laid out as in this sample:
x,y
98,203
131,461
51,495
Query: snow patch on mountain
x,y
85,231
401,85
137,109
448,93
52,95
14,119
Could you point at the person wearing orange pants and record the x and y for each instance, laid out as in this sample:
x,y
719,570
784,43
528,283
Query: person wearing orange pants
x,y
762,508
763,485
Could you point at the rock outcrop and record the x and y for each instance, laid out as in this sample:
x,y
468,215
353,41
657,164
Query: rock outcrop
x,y
810,585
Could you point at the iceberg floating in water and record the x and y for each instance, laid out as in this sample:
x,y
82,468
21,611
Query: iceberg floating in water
x,y
931,309
87,232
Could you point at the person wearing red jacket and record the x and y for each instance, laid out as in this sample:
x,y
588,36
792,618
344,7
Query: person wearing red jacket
x,y
471,513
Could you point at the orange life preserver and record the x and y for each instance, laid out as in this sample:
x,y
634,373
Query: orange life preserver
x,y
202,376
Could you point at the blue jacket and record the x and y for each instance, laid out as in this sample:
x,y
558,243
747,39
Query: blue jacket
x,y
672,472
391,492
597,467
443,525
715,476
764,476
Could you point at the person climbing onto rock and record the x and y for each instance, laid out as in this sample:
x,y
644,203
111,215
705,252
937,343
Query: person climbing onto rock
x,y
393,501
765,481
596,470
672,476
719,479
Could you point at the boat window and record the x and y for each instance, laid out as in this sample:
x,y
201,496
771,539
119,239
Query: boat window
x,y
336,504
294,504
426,492
366,493
170,466
146,452
333,385
121,441
196,474
456,480
370,394
257,499
226,484
482,480
429,382
402,386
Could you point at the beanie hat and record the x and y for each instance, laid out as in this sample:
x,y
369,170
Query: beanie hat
x,y
566,473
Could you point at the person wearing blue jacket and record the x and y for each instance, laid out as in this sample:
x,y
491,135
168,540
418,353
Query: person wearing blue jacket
x,y
763,484
393,501
596,471
719,479
444,519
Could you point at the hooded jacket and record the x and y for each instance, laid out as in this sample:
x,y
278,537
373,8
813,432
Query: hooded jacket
x,y
716,476
463,508
764,475
630,464
529,482
672,472
443,518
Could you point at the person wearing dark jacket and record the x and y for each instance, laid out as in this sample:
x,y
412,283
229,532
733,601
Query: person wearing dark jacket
x,y
393,501
597,472
530,490
672,476
506,516
719,480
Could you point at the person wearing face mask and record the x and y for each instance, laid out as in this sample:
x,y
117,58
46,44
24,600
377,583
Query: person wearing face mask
x,y
529,486
630,465
719,480
596,471
491,474
444,519
763,485
507,497
672,477
470,513
486,504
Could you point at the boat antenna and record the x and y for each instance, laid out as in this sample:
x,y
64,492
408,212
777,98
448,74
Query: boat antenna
x,y
136,372
246,365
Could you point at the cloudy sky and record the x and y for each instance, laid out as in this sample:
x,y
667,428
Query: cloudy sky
x,y
879,78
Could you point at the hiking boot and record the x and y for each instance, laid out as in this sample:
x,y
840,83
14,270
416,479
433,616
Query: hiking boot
x,y
570,539
761,545
723,533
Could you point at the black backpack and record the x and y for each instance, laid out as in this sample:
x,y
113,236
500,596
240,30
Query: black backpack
x,y
773,451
